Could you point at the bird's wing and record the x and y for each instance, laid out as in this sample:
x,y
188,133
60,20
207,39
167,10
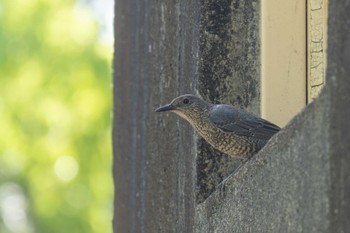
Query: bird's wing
x,y
230,119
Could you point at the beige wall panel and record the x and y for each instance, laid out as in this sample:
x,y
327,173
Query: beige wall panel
x,y
283,33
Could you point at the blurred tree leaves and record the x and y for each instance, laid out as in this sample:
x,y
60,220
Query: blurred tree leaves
x,y
55,106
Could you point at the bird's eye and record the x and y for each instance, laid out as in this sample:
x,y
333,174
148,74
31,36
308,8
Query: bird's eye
x,y
185,101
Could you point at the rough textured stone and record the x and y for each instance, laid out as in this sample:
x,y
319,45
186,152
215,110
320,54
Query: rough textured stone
x,y
229,72
156,59
230,53
338,74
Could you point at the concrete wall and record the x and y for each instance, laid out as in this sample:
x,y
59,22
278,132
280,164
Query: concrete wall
x,y
156,58
166,178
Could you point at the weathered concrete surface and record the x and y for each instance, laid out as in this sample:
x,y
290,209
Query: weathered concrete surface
x,y
230,53
300,182
338,74
156,59
229,72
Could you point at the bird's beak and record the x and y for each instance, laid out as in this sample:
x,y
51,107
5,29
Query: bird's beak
x,y
165,108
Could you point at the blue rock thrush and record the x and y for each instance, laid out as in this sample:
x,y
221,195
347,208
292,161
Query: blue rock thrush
x,y
230,130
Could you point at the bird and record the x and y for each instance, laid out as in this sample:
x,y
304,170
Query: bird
x,y
231,130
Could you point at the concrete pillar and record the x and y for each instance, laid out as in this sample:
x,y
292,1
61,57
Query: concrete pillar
x,y
156,59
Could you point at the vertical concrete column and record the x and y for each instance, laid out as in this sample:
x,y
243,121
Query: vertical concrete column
x,y
338,73
156,59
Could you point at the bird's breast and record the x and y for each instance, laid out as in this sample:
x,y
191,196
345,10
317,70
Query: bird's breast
x,y
227,142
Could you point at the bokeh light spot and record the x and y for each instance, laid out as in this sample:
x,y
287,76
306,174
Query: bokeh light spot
x,y
66,168
13,208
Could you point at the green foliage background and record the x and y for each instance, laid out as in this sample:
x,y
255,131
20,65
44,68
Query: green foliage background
x,y
55,110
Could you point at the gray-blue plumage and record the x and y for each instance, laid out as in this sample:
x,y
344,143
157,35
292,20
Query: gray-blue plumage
x,y
242,123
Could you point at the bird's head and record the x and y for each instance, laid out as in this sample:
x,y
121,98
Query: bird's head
x,y
186,106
